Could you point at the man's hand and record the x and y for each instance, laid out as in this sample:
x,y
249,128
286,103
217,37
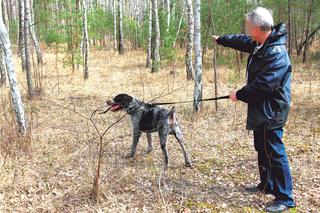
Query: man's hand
x,y
215,38
233,96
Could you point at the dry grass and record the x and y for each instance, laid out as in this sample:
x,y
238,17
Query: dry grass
x,y
56,173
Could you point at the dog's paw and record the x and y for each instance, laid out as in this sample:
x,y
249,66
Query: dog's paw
x,y
165,167
130,155
188,164
149,150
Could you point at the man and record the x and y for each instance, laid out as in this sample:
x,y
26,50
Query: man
x,y
268,95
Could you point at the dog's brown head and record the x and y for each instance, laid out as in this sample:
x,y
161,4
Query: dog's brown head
x,y
119,102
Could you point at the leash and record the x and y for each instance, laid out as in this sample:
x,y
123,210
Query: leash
x,y
183,102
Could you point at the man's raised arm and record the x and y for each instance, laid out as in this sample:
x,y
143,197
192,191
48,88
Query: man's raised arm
x,y
239,42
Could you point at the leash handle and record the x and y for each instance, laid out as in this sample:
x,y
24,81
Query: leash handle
x,y
183,102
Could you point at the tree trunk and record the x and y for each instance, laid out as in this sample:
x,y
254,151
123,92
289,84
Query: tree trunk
x,y
197,95
5,16
188,56
121,41
33,35
289,29
115,24
156,54
306,45
21,35
179,26
148,64
2,67
85,40
168,14
26,48
15,92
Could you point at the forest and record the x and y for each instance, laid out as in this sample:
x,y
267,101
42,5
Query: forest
x,y
62,150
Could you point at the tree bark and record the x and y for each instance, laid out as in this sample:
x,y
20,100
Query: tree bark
x,y
85,40
33,35
156,54
31,92
148,64
179,26
14,89
188,56
121,40
114,8
289,29
21,35
306,46
168,14
197,95
2,68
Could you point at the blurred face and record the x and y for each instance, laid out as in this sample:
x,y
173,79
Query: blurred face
x,y
253,31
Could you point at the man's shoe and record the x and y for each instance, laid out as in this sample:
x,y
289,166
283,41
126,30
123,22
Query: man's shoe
x,y
276,208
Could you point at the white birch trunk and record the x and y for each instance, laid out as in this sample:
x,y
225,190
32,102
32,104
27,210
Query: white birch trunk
x,y
21,35
188,56
33,35
156,61
26,48
85,40
148,64
115,24
197,95
121,41
14,89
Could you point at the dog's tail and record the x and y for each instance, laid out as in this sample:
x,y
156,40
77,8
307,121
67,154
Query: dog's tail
x,y
172,111
172,116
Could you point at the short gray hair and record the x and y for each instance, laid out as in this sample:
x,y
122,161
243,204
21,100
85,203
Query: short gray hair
x,y
260,17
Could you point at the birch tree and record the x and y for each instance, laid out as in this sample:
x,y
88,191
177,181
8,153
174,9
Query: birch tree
x,y
197,95
26,32
85,40
33,34
156,53
2,68
121,40
12,78
114,9
148,64
168,14
21,35
306,45
188,56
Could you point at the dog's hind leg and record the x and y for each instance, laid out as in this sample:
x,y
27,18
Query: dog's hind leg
x,y
136,136
163,135
150,147
179,136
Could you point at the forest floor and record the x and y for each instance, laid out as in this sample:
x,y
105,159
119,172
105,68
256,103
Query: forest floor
x,y
54,173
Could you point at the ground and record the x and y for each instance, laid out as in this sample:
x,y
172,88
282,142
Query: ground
x,y
54,170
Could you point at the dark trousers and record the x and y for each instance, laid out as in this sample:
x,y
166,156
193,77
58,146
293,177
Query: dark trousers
x,y
275,176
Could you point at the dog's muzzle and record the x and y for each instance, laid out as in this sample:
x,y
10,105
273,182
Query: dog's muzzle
x,y
114,106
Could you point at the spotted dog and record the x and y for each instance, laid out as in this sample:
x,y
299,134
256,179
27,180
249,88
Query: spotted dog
x,y
149,118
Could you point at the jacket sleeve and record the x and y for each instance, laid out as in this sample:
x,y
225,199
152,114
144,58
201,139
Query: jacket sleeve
x,y
239,42
267,80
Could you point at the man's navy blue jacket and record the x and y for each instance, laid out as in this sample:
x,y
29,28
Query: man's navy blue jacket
x,y
268,89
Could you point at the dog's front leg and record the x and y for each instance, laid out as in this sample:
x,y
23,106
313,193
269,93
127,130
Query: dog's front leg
x,y
136,136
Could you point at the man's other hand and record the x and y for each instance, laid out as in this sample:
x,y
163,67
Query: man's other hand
x,y
215,38
233,96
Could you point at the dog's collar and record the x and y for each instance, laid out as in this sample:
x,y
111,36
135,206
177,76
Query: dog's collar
x,y
132,110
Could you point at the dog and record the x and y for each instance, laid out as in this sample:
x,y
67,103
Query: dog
x,y
149,118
